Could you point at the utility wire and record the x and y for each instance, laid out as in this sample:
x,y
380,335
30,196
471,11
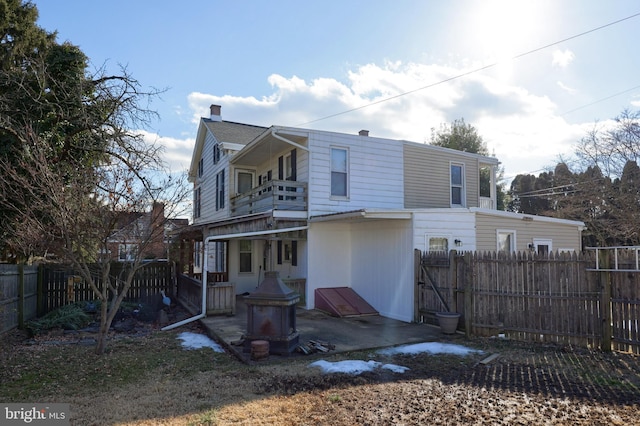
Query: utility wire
x,y
529,52
599,100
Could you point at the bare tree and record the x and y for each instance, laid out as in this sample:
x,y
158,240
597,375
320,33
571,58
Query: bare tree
x,y
67,185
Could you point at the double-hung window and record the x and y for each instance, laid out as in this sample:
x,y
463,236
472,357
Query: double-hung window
x,y
457,185
339,172
245,256
196,202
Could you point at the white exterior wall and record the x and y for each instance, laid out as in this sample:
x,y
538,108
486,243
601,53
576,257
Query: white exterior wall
x,y
329,254
207,183
382,266
375,177
450,223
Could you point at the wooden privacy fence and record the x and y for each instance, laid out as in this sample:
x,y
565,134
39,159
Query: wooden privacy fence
x,y
18,295
559,298
62,285
27,292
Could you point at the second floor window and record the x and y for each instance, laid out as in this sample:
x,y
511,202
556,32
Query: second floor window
x,y
196,203
457,185
216,154
220,190
201,167
339,172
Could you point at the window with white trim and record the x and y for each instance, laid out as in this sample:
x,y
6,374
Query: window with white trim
x,y
506,240
244,181
339,172
438,244
245,257
457,185
217,256
543,245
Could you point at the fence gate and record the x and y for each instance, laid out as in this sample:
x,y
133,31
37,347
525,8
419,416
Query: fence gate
x,y
618,269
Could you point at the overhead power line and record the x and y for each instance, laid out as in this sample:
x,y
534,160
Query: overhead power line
x,y
464,74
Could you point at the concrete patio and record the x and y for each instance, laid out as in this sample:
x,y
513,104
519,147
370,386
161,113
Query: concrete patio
x,y
347,334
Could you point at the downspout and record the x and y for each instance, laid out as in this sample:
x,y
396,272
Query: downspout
x,y
203,312
205,271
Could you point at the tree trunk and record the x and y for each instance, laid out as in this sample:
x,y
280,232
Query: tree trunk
x,y
105,324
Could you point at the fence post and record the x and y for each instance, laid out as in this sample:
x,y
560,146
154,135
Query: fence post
x,y
40,298
468,297
21,295
417,262
605,299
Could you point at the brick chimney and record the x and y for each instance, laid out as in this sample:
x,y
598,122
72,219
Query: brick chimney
x,y
363,133
216,114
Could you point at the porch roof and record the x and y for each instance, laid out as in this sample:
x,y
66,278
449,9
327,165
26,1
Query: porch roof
x,y
271,141
363,214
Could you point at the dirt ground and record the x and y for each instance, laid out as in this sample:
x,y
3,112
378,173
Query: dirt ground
x,y
525,384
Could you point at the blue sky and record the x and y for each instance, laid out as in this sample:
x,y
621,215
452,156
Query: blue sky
x,y
294,63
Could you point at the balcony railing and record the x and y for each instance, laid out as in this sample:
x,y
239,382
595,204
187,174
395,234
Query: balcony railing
x,y
273,195
487,203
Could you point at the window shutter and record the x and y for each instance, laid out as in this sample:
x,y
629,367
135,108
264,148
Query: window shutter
x,y
279,252
294,253
293,165
217,191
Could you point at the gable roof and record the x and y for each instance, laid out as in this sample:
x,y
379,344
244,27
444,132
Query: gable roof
x,y
222,131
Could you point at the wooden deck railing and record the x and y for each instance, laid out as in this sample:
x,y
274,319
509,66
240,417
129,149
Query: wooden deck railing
x,y
221,296
276,195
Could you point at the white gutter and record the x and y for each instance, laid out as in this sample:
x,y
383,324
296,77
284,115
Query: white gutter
x,y
203,313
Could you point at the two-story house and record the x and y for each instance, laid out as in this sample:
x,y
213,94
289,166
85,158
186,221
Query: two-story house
x,y
341,210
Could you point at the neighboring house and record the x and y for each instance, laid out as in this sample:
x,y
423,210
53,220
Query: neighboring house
x,y
340,210
150,232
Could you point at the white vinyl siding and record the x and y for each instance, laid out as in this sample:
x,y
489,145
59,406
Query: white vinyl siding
x,y
375,178
207,183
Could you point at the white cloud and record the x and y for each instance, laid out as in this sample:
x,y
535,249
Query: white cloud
x,y
566,88
405,101
562,58
176,152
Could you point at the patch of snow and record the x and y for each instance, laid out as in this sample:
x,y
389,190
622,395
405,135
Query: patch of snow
x,y
395,368
355,367
198,341
432,348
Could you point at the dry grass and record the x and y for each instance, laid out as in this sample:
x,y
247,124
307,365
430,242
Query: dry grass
x,y
151,380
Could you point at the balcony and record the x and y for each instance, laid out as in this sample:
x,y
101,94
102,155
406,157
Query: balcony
x,y
273,195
